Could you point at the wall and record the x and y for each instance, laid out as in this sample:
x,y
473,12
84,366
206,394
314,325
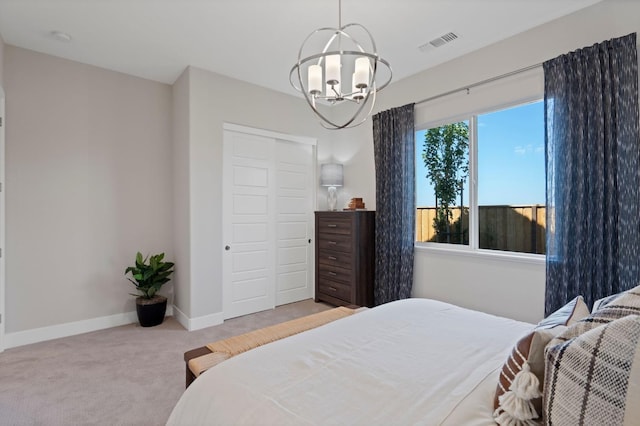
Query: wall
x,y
1,62
509,286
88,183
181,208
214,100
2,201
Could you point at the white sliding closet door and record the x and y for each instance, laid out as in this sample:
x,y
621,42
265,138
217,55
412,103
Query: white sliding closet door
x,y
268,195
294,186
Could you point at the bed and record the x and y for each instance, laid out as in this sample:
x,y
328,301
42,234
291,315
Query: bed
x,y
420,361
415,361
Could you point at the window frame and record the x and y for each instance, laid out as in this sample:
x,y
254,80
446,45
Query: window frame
x,y
473,248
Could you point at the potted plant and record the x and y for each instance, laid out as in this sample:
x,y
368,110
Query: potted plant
x,y
149,275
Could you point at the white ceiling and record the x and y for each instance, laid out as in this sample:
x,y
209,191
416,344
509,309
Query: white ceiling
x,y
258,40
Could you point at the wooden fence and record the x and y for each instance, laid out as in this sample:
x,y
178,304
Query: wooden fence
x,y
511,228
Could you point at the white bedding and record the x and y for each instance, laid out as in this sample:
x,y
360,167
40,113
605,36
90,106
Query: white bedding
x,y
415,361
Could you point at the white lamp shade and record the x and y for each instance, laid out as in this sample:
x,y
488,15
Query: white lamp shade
x,y
315,79
331,175
361,76
332,69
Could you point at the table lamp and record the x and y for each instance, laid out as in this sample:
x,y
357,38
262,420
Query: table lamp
x,y
331,176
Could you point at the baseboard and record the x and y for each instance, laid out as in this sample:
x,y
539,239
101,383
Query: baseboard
x,y
206,321
27,337
192,324
182,319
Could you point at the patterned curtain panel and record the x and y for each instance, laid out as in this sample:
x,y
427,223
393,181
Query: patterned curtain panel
x,y
394,147
593,167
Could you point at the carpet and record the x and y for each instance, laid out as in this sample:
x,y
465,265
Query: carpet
x,y
126,375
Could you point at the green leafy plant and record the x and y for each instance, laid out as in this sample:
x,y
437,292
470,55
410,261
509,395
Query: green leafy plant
x,y
149,274
445,155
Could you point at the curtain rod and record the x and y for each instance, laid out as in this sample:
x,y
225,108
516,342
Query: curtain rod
x,y
480,83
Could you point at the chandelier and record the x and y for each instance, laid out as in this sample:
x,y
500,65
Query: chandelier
x,y
320,76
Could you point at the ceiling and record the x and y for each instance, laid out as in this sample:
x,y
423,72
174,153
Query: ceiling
x,y
258,40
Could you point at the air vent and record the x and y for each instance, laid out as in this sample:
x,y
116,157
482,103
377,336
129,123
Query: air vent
x,y
440,41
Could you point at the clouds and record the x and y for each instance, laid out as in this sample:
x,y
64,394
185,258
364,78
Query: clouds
x,y
528,149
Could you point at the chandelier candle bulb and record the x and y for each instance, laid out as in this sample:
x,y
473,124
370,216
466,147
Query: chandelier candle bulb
x,y
333,69
361,76
315,79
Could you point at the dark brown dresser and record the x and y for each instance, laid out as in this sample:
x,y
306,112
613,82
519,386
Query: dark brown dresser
x,y
345,251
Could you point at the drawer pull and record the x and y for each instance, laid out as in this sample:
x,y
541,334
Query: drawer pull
x,y
332,288
332,225
332,242
333,274
332,258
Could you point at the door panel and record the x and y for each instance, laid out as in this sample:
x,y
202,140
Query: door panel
x,y
250,176
248,263
249,232
250,205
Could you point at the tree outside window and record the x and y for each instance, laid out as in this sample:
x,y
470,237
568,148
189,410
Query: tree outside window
x,y
446,158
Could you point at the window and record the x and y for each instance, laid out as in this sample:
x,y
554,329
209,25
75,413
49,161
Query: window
x,y
442,173
505,210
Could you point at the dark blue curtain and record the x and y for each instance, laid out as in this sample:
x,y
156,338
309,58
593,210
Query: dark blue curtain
x,y
394,150
593,160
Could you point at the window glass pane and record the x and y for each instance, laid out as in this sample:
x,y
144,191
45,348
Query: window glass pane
x,y
511,179
442,184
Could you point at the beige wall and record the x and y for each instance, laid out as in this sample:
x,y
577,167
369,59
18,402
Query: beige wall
x,y
214,100
181,197
1,62
508,287
88,183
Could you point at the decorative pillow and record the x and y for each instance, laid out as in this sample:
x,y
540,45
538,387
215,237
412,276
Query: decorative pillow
x,y
569,314
601,303
627,303
595,377
604,301
523,372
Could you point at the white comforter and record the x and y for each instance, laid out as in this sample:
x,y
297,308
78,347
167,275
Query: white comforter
x,y
415,361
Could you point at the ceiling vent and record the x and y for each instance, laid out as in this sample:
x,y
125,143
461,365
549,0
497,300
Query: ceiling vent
x,y
440,41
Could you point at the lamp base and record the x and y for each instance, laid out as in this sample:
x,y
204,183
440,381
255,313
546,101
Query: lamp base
x,y
332,198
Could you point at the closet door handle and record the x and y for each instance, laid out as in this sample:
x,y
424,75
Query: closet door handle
x,y
227,248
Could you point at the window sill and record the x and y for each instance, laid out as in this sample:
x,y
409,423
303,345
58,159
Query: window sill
x,y
495,255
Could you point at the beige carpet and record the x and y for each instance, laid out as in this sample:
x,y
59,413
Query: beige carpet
x,y
126,375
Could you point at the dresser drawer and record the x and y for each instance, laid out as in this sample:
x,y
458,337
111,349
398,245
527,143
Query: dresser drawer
x,y
334,225
335,289
341,243
335,258
335,273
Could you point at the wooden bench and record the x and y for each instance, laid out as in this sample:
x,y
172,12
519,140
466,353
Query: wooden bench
x,y
201,359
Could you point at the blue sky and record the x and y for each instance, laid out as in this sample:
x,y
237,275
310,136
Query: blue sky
x,y
510,159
